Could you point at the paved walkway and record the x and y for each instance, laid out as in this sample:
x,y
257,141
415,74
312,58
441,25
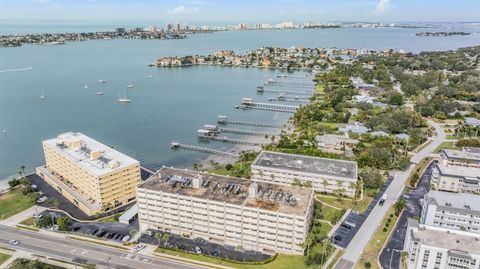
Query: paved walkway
x,y
359,242
25,214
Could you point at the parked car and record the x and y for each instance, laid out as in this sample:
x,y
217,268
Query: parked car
x,y
125,238
198,250
37,216
383,199
14,242
200,240
42,199
148,233
34,188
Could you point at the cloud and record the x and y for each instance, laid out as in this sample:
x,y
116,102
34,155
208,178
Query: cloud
x,y
383,6
182,10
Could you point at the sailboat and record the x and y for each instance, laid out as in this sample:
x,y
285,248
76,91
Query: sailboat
x,y
42,96
100,93
102,81
130,85
123,99
86,85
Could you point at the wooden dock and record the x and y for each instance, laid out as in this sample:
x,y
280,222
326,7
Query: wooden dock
x,y
224,120
244,132
176,145
248,103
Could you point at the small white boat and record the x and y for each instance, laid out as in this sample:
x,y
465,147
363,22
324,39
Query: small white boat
x,y
86,85
99,93
130,85
123,98
102,81
42,96
149,76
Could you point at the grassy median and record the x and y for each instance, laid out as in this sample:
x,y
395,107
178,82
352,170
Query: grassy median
x,y
4,258
376,243
13,202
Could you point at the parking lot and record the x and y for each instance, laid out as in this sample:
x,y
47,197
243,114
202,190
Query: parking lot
x,y
114,231
352,223
205,247
64,204
390,257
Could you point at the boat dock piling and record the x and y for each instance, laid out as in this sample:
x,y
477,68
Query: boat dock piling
x,y
282,98
272,82
248,103
176,145
224,120
209,135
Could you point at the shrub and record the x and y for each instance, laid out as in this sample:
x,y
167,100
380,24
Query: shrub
x,y
228,167
367,265
389,220
384,229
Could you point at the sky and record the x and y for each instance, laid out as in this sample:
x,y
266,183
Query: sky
x,y
227,11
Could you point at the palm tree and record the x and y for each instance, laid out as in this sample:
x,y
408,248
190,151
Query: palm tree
x,y
158,236
54,202
399,206
22,170
325,184
133,232
308,242
165,237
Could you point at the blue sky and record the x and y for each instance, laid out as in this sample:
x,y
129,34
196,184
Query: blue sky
x,y
243,10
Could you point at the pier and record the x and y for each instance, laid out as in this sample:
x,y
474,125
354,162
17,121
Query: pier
x,y
261,89
248,103
306,77
209,135
288,99
176,145
244,132
272,82
224,120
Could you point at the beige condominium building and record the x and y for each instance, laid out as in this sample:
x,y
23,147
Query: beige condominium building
x,y
226,210
326,175
457,171
91,175
430,247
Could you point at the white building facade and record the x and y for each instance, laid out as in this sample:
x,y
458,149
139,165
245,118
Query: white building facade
x,y
250,216
325,175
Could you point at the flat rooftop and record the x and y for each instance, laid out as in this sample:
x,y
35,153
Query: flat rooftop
x,y
307,164
92,155
463,201
466,154
448,240
459,171
285,199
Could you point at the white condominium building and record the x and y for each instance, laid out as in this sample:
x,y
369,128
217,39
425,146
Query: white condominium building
x,y
467,157
326,175
457,171
89,174
454,211
437,248
241,213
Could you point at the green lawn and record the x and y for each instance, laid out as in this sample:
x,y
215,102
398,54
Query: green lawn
x,y
97,242
13,202
4,258
446,145
280,262
331,125
346,203
29,222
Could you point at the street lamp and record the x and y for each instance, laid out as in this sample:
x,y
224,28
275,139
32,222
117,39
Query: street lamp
x,y
108,261
74,258
391,256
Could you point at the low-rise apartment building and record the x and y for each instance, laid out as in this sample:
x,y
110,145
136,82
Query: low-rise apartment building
x,y
325,175
91,175
248,215
438,248
457,171
454,211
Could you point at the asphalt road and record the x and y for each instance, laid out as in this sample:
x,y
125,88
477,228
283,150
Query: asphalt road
x,y
390,257
362,237
103,257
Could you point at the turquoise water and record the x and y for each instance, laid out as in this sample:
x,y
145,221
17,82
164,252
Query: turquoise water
x,y
169,107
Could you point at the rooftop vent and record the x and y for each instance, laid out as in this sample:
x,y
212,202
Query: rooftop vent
x,y
253,190
197,181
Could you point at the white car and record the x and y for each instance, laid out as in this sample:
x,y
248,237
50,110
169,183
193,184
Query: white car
x,y
14,242
139,247
37,216
148,233
125,238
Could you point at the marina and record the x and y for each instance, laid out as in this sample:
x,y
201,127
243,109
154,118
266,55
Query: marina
x,y
176,145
